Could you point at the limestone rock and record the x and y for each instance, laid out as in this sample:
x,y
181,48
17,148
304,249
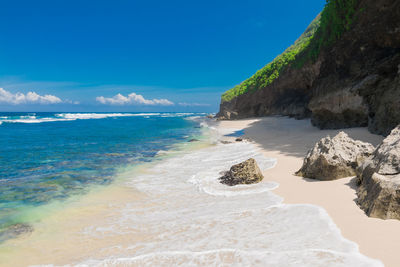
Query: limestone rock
x,y
333,158
379,179
246,172
210,116
339,109
387,155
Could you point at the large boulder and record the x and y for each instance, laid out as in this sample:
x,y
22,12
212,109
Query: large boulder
x,y
334,158
379,179
246,172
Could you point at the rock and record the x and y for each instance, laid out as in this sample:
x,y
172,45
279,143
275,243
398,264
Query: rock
x,y
387,154
246,172
240,139
210,116
339,109
379,179
227,115
193,140
379,196
334,158
225,142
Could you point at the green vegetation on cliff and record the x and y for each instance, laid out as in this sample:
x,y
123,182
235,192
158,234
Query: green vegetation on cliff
x,y
271,71
324,30
336,18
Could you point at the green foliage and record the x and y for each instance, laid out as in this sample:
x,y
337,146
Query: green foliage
x,y
271,71
335,19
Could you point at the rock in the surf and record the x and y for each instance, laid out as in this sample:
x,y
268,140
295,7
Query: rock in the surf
x,y
379,179
334,158
246,172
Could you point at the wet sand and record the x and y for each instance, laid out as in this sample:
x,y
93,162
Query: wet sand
x,y
288,140
96,226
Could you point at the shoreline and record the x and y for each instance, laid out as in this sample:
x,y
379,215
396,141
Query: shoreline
x,y
153,209
288,140
61,228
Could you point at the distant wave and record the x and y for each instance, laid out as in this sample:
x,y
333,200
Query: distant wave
x,y
30,119
84,116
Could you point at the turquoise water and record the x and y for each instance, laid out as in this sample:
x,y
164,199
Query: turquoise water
x,y
51,156
172,211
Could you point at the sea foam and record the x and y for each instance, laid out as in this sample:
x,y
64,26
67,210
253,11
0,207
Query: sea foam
x,y
235,257
190,219
85,116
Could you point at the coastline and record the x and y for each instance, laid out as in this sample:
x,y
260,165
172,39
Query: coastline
x,y
173,210
63,231
288,140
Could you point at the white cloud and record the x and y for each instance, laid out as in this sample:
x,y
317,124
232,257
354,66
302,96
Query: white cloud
x,y
132,99
29,98
184,104
71,102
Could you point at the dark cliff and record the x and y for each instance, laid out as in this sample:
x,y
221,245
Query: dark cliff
x,y
346,74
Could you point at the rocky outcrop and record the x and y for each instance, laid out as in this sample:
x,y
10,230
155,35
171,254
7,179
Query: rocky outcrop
x,y
355,81
246,172
287,95
343,108
333,158
379,179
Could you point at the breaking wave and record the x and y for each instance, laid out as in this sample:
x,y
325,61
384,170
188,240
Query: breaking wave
x,y
39,118
190,219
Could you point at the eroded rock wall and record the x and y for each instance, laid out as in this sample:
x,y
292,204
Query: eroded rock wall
x,y
354,82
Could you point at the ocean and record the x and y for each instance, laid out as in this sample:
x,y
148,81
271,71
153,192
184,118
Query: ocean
x,y
50,156
130,189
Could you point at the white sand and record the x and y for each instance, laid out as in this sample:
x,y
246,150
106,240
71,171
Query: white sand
x,y
288,140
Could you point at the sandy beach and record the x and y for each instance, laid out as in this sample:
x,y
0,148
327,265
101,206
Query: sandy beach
x,y
138,133
175,212
288,140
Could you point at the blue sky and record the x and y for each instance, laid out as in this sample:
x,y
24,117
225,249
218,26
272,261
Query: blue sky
x,y
138,55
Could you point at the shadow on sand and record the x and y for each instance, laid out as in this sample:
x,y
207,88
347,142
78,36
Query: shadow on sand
x,y
293,137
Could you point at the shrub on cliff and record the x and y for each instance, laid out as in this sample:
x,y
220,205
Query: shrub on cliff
x,y
324,30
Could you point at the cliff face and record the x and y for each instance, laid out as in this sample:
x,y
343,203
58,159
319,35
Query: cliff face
x,y
287,95
353,81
